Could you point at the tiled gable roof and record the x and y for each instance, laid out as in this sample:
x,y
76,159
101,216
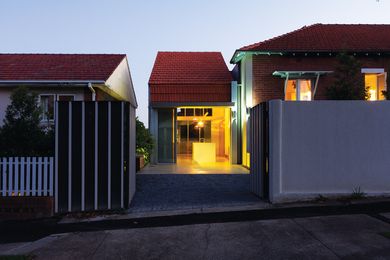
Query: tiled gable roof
x,y
190,68
329,37
58,67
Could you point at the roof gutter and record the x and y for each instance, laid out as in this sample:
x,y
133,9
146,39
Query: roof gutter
x,y
239,55
54,81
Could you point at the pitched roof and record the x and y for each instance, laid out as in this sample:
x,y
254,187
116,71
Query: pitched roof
x,y
190,68
46,67
329,37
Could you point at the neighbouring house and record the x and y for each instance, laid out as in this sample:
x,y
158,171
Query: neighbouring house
x,y
65,77
299,65
191,106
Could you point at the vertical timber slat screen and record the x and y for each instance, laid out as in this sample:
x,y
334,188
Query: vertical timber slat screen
x,y
258,139
93,148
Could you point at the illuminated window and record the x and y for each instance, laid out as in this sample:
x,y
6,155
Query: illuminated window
x,y
375,83
298,89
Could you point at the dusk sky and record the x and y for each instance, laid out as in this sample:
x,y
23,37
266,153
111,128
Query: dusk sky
x,y
141,28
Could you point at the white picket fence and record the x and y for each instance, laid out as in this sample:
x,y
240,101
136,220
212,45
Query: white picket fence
x,y
26,176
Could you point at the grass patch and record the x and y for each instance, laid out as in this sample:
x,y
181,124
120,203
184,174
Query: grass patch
x,y
357,193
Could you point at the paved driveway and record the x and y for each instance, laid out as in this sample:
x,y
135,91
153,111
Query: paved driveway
x,y
159,192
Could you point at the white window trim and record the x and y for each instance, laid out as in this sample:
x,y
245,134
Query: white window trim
x,y
372,70
56,98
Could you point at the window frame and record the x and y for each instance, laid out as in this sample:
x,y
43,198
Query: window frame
x,y
377,72
298,88
56,98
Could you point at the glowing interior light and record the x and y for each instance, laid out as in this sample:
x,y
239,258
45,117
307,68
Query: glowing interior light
x,y
372,94
306,96
200,124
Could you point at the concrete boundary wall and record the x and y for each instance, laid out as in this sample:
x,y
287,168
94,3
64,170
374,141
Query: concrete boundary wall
x,y
328,148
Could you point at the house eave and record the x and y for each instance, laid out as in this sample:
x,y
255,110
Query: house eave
x,y
240,54
51,82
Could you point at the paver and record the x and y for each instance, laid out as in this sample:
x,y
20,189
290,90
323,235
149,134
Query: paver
x,y
157,192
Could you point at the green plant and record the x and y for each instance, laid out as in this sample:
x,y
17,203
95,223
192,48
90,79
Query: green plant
x,y
321,198
357,193
144,141
348,83
21,134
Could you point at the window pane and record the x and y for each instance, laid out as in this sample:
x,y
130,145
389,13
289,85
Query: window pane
x,y
291,90
189,111
305,89
180,111
198,112
370,82
381,85
47,107
208,112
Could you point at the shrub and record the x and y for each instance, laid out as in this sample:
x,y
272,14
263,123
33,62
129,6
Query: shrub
x,y
144,141
349,83
21,134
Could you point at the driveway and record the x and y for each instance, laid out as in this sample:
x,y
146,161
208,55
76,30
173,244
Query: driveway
x,y
160,192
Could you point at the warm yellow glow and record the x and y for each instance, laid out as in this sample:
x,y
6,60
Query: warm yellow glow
x,y
304,90
291,92
372,94
204,152
212,127
375,83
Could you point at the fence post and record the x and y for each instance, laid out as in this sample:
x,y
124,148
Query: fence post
x,y
28,172
51,175
45,166
4,176
39,176
16,184
10,177
33,177
22,176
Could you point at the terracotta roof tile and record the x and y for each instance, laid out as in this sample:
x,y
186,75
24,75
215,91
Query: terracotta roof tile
x,y
58,66
190,68
329,37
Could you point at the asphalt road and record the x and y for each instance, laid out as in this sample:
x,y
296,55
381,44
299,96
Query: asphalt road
x,y
357,236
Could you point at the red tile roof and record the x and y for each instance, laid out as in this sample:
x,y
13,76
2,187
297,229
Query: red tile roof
x,y
329,37
65,67
190,68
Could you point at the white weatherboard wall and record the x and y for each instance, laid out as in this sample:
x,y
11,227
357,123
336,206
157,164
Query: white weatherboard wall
x,y
328,148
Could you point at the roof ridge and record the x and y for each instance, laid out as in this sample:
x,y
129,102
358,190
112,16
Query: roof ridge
x,y
63,54
280,36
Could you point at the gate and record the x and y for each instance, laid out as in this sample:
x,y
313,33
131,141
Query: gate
x,y
94,155
259,147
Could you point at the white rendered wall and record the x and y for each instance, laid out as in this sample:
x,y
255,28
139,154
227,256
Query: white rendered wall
x,y
328,148
120,82
5,94
4,102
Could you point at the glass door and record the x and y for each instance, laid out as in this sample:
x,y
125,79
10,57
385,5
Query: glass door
x,y
166,138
